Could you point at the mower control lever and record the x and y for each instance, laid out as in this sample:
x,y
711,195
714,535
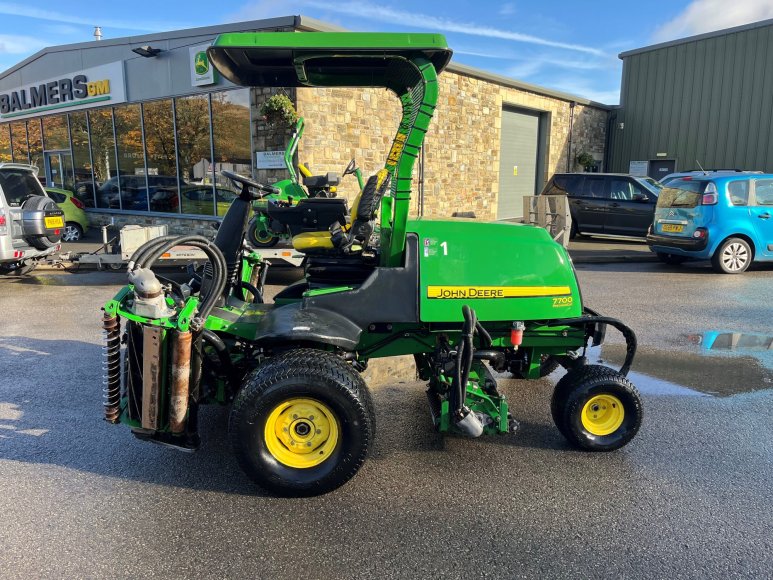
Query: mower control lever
x,y
248,183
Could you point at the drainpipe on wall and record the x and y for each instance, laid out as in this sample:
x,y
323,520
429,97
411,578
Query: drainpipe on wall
x,y
608,140
571,129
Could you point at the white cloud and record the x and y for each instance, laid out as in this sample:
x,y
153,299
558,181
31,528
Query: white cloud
x,y
423,21
14,44
708,15
141,24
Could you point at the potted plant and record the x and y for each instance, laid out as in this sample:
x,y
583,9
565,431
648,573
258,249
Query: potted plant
x,y
279,112
586,160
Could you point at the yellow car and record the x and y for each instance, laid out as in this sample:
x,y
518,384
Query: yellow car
x,y
76,221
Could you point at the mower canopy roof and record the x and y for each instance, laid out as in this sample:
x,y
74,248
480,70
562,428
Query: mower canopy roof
x,y
329,59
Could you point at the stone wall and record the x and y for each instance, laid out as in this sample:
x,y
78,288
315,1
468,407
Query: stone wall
x,y
462,148
176,225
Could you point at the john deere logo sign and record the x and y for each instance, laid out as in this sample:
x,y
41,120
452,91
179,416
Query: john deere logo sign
x,y
88,88
202,72
201,63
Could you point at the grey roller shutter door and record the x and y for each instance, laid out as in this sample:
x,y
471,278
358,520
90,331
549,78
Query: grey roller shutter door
x,y
517,161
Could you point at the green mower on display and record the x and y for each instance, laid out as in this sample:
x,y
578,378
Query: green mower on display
x,y
290,210
302,421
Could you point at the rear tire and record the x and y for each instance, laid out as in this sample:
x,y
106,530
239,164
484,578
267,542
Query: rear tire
x,y
303,423
596,408
257,240
671,259
733,256
72,232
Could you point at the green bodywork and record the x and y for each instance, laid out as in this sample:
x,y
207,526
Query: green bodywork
x,y
484,262
506,272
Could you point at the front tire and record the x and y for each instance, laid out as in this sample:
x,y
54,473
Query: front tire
x,y
303,423
733,256
596,408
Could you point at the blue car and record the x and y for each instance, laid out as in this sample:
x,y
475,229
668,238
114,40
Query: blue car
x,y
727,219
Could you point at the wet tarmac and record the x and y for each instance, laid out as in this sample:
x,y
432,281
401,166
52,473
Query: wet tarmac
x,y
690,497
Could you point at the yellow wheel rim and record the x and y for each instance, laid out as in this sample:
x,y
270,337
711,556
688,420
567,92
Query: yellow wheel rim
x,y
301,433
602,415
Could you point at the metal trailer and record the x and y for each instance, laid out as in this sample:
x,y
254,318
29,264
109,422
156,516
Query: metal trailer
x,y
113,256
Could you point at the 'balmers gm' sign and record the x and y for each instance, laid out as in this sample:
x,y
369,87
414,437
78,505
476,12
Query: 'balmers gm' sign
x,y
100,85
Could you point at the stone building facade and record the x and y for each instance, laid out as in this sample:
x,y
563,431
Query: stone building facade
x,y
461,152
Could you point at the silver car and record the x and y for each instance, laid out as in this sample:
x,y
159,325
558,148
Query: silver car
x,y
31,224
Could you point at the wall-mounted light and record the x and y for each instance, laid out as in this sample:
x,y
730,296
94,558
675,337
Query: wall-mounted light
x,y
146,51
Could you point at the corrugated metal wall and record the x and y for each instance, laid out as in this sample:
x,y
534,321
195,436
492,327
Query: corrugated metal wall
x,y
709,100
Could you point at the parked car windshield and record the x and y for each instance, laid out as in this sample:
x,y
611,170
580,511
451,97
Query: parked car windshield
x,y
18,185
652,185
681,193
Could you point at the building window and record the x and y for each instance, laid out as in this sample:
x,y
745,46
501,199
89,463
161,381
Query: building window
x,y
103,156
133,194
160,154
35,139
194,153
5,144
231,132
79,135
55,133
19,142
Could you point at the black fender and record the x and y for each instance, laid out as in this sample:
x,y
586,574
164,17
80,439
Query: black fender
x,y
292,323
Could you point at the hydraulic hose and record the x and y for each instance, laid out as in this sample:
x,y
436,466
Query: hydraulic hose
x,y
217,343
485,337
138,254
627,332
148,257
464,357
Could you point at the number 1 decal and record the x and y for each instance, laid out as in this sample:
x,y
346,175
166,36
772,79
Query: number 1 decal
x,y
444,245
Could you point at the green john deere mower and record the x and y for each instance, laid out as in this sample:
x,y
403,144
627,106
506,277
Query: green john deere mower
x,y
464,298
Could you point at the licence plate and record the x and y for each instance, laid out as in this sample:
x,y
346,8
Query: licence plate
x,y
54,222
674,228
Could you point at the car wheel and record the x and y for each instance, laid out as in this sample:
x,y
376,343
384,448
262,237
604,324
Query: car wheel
x,y
732,257
72,232
671,259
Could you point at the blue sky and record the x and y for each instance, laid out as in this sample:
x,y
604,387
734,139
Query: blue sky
x,y
569,46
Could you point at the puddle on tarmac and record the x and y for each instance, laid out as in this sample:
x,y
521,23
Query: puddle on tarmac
x,y
685,373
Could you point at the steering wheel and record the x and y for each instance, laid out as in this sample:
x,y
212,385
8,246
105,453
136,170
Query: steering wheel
x,y
351,168
248,183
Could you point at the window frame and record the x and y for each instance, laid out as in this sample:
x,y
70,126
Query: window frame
x,y
754,202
